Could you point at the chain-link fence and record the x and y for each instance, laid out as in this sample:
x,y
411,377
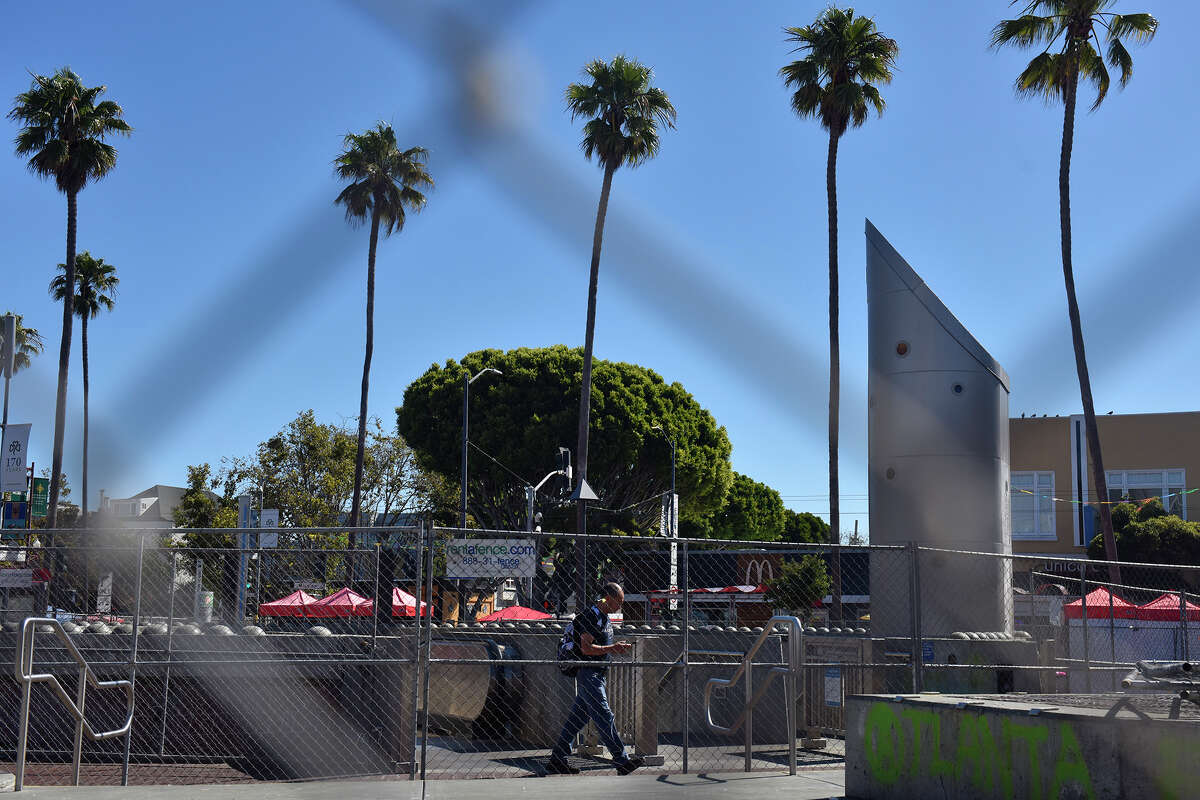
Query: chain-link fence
x,y
435,652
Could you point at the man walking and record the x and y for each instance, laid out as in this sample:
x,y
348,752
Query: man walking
x,y
589,640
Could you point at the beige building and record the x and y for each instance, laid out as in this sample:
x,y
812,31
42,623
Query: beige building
x,y
1145,455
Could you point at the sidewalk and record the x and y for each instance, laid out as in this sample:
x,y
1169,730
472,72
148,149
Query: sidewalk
x,y
807,785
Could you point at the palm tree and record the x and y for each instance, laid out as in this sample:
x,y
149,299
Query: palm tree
x,y
28,343
384,184
623,114
844,56
65,124
95,283
1073,26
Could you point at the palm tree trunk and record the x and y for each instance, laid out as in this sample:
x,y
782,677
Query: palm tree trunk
x,y
835,522
64,362
585,394
83,503
1085,383
356,502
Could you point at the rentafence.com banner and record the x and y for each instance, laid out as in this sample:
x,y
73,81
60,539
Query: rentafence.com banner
x,y
13,459
491,558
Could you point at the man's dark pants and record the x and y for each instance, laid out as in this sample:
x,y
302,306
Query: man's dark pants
x,y
591,700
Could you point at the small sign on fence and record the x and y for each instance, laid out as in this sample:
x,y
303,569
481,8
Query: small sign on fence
x,y
491,558
16,578
40,499
104,594
833,687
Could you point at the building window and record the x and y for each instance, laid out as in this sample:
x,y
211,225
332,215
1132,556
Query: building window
x,y
1032,499
1143,484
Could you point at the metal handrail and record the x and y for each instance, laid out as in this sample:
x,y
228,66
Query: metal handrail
x,y
23,669
745,671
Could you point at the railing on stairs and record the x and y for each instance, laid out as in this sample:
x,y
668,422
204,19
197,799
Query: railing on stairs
x,y
746,672
26,676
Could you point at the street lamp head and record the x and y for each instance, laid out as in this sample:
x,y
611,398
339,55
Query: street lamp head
x,y
482,372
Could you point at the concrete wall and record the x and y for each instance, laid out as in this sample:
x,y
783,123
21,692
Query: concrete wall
x,y
959,747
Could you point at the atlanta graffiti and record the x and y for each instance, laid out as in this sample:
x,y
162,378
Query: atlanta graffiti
x,y
992,756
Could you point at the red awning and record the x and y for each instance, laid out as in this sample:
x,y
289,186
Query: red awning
x,y
736,589
295,604
405,605
342,603
1098,605
515,612
1166,608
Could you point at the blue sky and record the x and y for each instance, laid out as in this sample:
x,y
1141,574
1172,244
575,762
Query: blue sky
x,y
242,287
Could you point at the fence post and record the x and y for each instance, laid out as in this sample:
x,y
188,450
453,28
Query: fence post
x,y
428,642
162,734
748,725
1183,615
1087,651
378,610
687,625
1112,641
914,608
137,619
416,658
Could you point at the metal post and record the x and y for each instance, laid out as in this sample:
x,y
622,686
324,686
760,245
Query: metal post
x,y
428,646
914,597
80,701
748,725
137,620
162,734
416,661
795,656
378,611
687,625
530,494
462,510
23,721
1112,640
1087,653
1183,615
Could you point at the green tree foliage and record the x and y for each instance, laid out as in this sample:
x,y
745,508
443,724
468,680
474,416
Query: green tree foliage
x,y
804,528
523,417
65,125
1146,533
383,184
95,284
752,510
844,57
201,507
29,344
799,586
1063,31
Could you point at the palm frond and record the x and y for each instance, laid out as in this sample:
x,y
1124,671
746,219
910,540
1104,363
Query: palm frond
x,y
381,178
1091,67
1025,31
1119,57
624,112
1141,27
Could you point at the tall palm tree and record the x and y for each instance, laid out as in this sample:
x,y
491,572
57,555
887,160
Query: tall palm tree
x,y
844,57
624,113
95,284
1072,28
65,124
384,183
28,343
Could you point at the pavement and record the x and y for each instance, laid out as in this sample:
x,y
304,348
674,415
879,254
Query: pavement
x,y
813,784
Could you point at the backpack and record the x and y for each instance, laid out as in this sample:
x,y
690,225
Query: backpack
x,y
569,653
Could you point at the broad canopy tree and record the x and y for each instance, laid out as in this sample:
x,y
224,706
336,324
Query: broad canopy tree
x,y
522,419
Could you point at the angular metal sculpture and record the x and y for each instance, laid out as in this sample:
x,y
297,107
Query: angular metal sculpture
x,y
938,460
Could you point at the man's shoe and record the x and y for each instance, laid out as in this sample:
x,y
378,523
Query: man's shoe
x,y
559,766
629,765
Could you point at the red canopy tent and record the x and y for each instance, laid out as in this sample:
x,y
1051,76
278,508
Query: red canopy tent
x,y
1098,606
1166,608
295,604
405,605
342,603
515,613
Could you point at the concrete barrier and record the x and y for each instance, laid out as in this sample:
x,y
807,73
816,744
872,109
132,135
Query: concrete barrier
x,y
921,746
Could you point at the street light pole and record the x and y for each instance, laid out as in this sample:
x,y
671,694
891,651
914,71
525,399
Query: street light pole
x,y
673,529
467,381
